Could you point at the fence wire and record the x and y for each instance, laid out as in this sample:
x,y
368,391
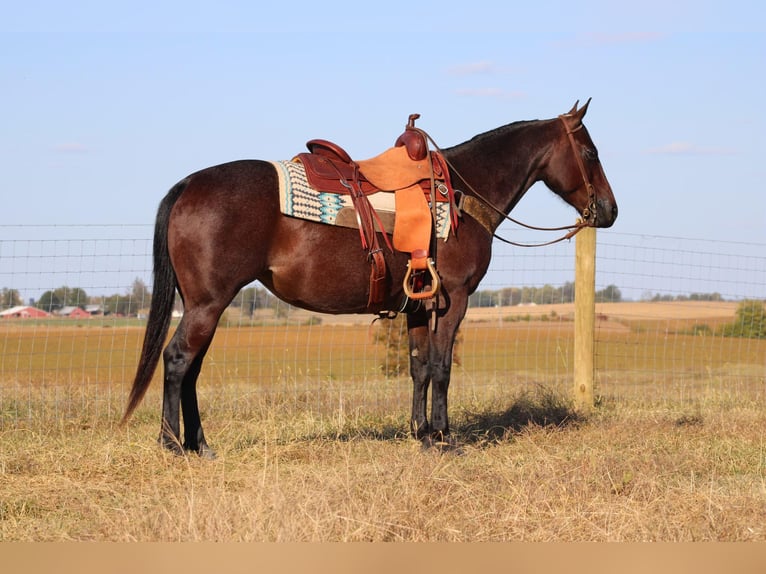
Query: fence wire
x,y
664,337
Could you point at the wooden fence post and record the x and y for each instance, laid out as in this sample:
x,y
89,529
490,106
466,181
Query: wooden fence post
x,y
585,318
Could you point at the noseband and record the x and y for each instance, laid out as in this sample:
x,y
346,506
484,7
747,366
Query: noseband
x,y
590,212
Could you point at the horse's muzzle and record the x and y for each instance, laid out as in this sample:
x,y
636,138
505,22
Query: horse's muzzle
x,y
606,213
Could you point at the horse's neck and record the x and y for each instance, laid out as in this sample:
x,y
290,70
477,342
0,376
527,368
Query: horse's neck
x,y
501,165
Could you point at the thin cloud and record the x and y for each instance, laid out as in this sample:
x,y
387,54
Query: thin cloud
x,y
490,93
607,39
473,68
70,148
622,38
687,148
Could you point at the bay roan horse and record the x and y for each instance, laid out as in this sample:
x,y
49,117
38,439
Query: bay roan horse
x,y
221,228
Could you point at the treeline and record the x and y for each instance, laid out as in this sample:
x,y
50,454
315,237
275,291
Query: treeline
x,y
137,297
127,304
549,295
252,298
693,297
545,295
750,316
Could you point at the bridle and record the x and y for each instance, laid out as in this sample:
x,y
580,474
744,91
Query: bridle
x,y
588,215
590,212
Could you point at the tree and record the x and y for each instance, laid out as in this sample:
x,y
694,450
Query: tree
x,y
750,321
49,302
568,292
253,298
483,299
9,298
610,294
509,296
139,297
62,297
136,298
116,304
392,334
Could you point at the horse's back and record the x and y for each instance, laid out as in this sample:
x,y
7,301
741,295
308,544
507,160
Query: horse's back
x,y
217,223
250,176
226,230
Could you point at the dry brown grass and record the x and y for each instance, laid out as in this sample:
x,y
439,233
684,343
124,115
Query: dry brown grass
x,y
527,470
675,450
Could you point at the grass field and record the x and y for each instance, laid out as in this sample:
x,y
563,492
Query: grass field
x,y
526,469
312,437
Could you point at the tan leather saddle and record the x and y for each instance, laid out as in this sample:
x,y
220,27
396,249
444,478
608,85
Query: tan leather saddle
x,y
415,175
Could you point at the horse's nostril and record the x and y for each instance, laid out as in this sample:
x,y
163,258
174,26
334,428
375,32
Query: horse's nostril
x,y
607,214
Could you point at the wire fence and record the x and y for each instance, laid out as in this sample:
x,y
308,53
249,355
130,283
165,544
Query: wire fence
x,y
666,330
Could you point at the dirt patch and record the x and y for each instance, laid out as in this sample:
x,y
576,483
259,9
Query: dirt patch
x,y
608,315
703,310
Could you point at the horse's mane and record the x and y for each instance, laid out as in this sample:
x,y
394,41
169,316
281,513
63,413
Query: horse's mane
x,y
507,130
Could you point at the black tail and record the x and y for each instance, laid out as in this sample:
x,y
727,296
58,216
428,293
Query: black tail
x,y
161,308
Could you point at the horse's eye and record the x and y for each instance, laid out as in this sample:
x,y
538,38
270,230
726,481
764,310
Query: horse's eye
x,y
590,153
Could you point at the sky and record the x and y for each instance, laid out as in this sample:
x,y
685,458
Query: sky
x,y
106,105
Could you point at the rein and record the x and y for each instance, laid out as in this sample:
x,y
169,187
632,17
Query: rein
x,y
588,214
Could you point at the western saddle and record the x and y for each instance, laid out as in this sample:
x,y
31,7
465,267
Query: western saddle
x,y
418,177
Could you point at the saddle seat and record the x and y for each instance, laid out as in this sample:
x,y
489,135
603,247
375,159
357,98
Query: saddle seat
x,y
329,168
413,140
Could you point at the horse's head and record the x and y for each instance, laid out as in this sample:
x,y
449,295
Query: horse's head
x,y
575,174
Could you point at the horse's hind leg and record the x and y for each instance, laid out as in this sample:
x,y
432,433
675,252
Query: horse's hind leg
x,y
183,360
194,437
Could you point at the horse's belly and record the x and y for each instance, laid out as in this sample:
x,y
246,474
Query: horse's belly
x,y
324,285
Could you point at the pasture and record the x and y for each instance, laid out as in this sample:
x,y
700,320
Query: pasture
x,y
313,445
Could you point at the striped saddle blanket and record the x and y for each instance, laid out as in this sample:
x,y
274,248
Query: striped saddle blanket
x,y
298,199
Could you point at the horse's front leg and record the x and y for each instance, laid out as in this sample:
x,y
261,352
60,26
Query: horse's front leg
x,y
440,387
420,371
442,341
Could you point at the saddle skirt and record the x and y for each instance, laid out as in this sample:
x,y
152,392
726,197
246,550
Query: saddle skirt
x,y
298,199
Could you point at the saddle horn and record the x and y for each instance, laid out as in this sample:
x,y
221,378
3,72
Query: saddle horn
x,y
413,139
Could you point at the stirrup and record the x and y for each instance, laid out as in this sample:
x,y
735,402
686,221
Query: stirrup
x,y
426,294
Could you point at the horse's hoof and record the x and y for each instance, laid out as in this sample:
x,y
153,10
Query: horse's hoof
x,y
206,452
172,446
441,442
202,450
420,433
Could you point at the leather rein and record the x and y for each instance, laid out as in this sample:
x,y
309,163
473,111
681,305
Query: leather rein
x,y
588,215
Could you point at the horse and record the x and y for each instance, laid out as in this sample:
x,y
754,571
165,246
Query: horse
x,y
221,228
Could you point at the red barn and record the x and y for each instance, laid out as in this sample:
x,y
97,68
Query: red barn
x,y
23,312
74,313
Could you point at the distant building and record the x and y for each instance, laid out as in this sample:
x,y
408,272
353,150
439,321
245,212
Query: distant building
x,y
23,312
73,313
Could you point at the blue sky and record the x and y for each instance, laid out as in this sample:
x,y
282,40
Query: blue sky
x,y
106,105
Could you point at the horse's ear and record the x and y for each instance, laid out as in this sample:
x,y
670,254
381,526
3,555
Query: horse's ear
x,y
574,109
580,114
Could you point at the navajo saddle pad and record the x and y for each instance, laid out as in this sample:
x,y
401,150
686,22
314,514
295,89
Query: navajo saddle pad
x,y
298,199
